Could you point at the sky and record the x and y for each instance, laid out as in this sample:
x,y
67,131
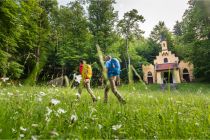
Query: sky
x,y
153,11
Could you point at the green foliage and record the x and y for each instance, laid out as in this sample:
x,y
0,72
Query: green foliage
x,y
194,42
177,29
102,17
129,25
161,32
30,112
9,35
39,40
129,29
148,50
201,53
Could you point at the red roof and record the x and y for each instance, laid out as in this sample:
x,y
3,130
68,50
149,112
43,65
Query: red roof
x,y
166,66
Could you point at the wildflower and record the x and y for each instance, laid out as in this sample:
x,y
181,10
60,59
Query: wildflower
x,y
116,127
13,130
49,111
4,79
22,128
55,101
33,137
73,118
100,126
22,135
156,137
54,133
42,93
10,94
34,125
61,111
47,119
78,95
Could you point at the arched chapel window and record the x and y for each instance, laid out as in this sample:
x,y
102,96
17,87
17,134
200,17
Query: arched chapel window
x,y
165,60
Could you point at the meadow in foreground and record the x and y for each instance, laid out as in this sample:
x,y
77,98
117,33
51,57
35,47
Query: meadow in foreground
x,y
52,112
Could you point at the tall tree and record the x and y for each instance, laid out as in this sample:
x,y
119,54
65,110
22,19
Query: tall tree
x,y
101,20
129,29
42,31
9,34
72,35
196,36
161,32
177,29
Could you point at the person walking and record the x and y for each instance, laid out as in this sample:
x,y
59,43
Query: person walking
x,y
86,72
113,72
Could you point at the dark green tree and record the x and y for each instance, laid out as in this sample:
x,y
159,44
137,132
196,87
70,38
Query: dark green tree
x,y
129,29
102,17
40,21
196,37
161,32
9,34
72,37
177,31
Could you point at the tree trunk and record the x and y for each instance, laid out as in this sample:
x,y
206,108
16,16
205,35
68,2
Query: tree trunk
x,y
129,63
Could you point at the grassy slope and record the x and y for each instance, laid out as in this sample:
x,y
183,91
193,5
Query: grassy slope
x,y
151,113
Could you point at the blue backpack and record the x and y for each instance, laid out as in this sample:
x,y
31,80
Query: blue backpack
x,y
114,67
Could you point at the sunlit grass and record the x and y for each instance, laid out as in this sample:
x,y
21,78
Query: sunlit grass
x,y
51,112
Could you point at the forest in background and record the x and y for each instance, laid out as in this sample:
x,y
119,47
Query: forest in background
x,y
40,41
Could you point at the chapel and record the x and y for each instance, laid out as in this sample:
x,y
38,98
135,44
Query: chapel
x,y
167,68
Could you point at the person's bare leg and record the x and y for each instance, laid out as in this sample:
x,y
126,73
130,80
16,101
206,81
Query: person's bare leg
x,y
114,89
90,91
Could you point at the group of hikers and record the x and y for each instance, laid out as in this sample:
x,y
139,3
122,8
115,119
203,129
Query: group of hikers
x,y
112,66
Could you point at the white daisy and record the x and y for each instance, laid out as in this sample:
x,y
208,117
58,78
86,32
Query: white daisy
x,y
116,127
42,93
74,118
23,129
61,111
22,135
100,126
55,101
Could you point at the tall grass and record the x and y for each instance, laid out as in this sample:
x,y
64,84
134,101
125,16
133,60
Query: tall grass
x,y
30,113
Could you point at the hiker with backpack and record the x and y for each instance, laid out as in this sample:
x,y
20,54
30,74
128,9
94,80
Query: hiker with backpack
x,y
113,72
86,72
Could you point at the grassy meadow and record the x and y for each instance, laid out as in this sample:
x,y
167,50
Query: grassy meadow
x,y
43,112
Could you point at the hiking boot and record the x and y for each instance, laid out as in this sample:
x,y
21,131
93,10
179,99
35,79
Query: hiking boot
x,y
123,102
95,100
